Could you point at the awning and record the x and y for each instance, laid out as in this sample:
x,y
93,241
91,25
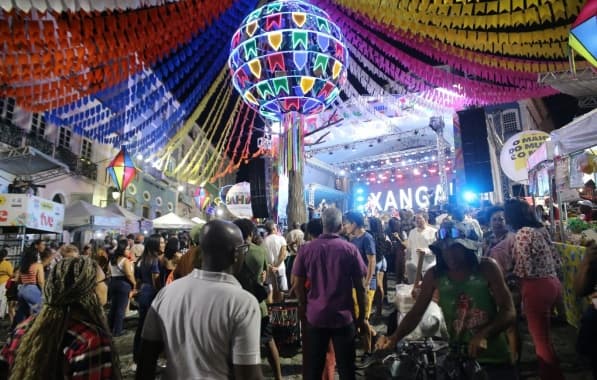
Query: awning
x,y
30,162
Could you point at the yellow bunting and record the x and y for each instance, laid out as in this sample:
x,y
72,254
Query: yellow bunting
x,y
444,21
250,98
179,137
275,40
299,18
307,84
336,69
255,67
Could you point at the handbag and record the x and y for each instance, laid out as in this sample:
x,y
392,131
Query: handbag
x,y
12,290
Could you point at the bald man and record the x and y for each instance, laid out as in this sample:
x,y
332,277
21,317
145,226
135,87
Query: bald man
x,y
205,322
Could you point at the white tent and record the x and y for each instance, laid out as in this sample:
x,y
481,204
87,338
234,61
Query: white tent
x,y
81,214
171,221
129,216
198,220
579,134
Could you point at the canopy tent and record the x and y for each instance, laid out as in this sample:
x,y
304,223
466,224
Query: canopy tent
x,y
198,220
129,216
134,222
171,221
577,135
83,214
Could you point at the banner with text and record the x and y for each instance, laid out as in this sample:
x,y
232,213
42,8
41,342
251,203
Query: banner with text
x,y
22,210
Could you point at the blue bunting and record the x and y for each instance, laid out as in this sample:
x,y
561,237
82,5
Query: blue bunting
x,y
143,112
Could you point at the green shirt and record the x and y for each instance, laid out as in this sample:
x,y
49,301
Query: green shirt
x,y
250,274
468,306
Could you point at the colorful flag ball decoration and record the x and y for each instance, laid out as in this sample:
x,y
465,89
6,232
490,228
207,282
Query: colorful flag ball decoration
x,y
122,170
583,35
287,56
201,198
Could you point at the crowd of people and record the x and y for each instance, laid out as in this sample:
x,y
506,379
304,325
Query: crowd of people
x,y
205,309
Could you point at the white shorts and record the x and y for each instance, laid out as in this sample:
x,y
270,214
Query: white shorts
x,y
281,280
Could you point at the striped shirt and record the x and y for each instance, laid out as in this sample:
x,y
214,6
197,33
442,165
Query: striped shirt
x,y
86,351
29,277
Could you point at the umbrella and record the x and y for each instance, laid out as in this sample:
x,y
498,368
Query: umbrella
x,y
122,170
583,35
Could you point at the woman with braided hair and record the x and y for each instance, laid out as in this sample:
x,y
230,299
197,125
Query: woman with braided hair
x,y
69,338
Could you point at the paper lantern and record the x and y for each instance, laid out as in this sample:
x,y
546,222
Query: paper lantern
x,y
122,170
288,57
202,198
583,34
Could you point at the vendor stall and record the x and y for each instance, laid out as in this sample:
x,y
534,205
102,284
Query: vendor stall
x,y
563,166
86,222
23,215
133,222
171,221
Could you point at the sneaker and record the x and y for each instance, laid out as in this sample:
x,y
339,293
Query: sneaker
x,y
366,361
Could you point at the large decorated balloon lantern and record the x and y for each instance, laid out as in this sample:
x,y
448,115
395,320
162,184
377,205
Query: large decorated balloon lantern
x,y
288,60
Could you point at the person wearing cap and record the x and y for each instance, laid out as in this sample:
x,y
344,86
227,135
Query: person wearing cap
x,y
474,299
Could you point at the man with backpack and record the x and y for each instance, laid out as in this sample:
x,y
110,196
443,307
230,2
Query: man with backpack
x,y
354,226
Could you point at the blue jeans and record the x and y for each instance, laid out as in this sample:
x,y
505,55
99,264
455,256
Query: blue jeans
x,y
29,297
144,299
119,289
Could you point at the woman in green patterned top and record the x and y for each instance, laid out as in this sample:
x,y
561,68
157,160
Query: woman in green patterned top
x,y
474,299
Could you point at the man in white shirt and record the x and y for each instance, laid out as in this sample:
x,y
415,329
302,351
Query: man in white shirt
x,y
207,324
417,244
275,245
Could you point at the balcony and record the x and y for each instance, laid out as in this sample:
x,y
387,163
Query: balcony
x,y
40,144
11,134
16,137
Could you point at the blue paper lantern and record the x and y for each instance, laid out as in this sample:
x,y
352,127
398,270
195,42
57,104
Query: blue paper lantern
x,y
288,57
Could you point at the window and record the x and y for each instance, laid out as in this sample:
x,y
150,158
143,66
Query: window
x,y
64,137
7,107
145,212
38,125
86,150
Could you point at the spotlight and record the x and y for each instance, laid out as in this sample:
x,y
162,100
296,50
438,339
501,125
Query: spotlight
x,y
139,156
342,173
469,196
220,212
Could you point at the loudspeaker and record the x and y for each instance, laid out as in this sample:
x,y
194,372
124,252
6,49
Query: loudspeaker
x,y
475,150
258,188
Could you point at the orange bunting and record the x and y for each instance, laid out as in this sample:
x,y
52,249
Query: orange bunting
x,y
47,62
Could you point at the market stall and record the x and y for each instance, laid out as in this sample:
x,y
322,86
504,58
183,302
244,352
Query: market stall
x,y
86,221
23,215
563,166
133,222
171,221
